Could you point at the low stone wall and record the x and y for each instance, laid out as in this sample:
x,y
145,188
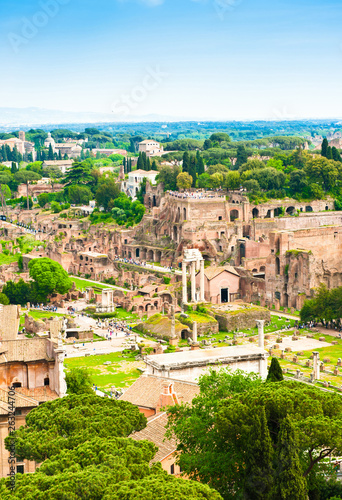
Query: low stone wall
x,y
160,327
240,320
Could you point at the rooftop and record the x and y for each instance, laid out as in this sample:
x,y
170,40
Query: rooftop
x,y
155,432
145,391
203,357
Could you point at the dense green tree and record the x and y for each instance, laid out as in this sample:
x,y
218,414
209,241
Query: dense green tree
x,y
184,181
168,176
79,381
275,373
323,172
78,194
154,165
219,137
78,174
18,293
232,180
49,277
241,156
329,153
336,154
4,299
107,191
207,144
140,164
297,181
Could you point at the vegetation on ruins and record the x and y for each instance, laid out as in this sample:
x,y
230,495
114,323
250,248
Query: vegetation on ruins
x,y
48,277
251,439
82,445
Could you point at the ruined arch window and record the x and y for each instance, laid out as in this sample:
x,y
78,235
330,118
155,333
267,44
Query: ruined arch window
x,y
46,381
137,252
234,214
327,208
277,265
255,213
291,210
308,209
184,213
277,295
254,271
125,241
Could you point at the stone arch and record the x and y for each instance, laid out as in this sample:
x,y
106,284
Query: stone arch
x,y
290,210
326,207
184,213
149,255
137,252
177,215
262,269
277,211
308,209
157,256
234,214
255,213
254,270
185,334
175,233
155,303
277,265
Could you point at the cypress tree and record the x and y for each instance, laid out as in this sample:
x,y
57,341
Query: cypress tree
x,y
50,153
329,153
336,154
199,164
4,154
66,157
241,156
124,165
14,155
14,168
259,473
186,162
154,165
130,165
38,155
192,170
324,147
30,158
59,155
290,482
140,164
8,152
144,158
148,164
275,373
42,155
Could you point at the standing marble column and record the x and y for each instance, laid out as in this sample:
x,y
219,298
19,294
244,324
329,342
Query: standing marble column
x,y
184,287
316,367
260,324
202,281
193,281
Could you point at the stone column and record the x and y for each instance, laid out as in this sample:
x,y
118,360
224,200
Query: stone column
x,y
194,331
260,324
202,281
193,281
316,365
185,293
173,322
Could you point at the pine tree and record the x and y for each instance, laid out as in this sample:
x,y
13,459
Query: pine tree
x,y
140,164
275,373
199,164
50,153
290,482
186,162
325,145
82,155
38,155
66,157
329,153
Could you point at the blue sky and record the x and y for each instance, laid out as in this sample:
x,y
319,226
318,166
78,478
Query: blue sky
x,y
191,59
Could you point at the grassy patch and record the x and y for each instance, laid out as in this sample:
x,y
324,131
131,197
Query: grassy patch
x,y
8,259
121,373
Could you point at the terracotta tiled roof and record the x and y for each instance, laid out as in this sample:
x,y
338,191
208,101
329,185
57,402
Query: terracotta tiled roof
x,y
212,272
155,432
145,391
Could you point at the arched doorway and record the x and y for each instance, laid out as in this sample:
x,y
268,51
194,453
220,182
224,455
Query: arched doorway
x,y
234,214
255,213
290,210
277,265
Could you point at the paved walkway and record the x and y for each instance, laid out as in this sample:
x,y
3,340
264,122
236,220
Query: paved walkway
x,y
285,315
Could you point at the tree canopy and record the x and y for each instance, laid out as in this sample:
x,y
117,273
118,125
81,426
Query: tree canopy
x,y
49,277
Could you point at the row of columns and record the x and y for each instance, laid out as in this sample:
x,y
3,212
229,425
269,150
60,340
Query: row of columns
x,y
193,281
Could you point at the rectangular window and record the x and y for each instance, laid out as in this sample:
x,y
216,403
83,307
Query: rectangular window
x,y
172,469
20,469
